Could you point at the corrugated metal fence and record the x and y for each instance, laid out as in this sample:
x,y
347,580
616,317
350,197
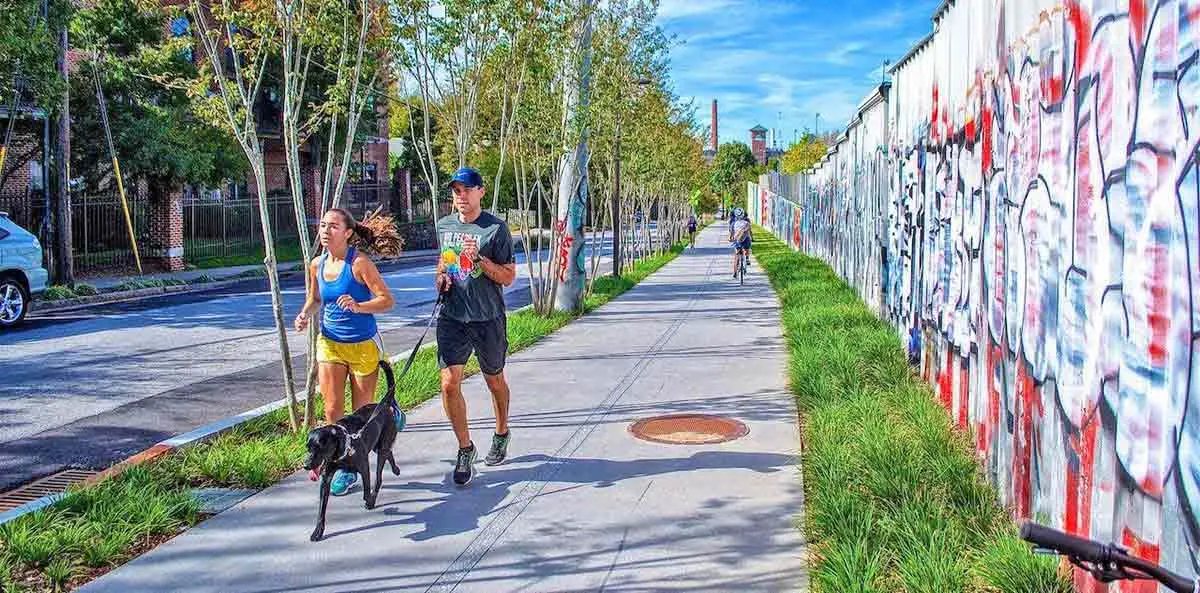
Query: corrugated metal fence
x,y
1023,196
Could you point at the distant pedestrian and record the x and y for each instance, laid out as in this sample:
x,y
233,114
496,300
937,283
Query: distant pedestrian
x,y
691,225
476,264
346,287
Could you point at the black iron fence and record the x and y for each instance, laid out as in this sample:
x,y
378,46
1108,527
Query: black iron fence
x,y
214,226
100,236
228,228
27,209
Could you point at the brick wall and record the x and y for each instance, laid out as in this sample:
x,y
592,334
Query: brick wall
x,y
16,190
164,251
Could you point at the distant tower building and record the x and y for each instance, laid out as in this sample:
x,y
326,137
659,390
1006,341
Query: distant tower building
x,y
758,144
713,141
710,152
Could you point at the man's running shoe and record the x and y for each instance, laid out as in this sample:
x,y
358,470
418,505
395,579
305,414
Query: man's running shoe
x,y
499,451
464,468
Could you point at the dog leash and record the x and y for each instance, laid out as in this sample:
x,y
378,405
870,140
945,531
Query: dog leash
x,y
412,356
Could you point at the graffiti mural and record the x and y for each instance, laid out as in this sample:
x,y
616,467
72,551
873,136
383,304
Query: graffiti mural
x,y
1021,202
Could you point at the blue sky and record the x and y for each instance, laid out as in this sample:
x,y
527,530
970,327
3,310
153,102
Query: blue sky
x,y
778,63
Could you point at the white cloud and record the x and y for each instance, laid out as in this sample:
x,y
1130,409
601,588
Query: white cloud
x,y
779,62
840,55
677,9
898,16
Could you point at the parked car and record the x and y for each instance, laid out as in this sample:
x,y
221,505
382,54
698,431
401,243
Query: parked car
x,y
22,276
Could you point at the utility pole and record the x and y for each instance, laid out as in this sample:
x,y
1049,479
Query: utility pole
x,y
62,156
616,195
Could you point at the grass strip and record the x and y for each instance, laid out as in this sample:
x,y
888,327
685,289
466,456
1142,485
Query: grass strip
x,y
96,528
894,498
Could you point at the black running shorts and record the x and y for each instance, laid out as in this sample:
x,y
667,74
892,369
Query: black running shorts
x,y
488,339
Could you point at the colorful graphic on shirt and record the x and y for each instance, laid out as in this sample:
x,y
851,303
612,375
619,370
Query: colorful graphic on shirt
x,y
458,265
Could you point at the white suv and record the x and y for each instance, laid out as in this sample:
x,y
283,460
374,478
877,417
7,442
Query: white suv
x,y
21,273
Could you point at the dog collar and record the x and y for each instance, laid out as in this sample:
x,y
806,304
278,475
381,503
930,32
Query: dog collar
x,y
349,451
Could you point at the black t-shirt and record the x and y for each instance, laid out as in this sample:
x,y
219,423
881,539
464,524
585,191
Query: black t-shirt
x,y
474,296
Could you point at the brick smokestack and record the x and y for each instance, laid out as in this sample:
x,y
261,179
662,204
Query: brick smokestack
x,y
714,126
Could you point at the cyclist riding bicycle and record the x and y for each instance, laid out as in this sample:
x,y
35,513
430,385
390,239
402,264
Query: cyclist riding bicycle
x,y
739,236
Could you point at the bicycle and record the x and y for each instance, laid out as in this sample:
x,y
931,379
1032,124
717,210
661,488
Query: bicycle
x,y
1106,562
743,262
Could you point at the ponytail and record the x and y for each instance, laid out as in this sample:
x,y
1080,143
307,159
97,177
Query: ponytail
x,y
376,234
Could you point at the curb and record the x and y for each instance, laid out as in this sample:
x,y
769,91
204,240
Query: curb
x,y
142,293
183,440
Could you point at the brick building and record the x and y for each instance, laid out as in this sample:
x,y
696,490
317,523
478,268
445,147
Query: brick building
x,y
168,226
763,151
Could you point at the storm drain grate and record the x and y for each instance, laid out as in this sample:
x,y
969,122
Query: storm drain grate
x,y
52,484
688,429
217,500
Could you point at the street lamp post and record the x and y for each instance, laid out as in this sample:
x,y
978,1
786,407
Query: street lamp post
x,y
616,195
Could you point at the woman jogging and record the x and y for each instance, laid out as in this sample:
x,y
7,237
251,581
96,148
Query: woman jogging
x,y
347,288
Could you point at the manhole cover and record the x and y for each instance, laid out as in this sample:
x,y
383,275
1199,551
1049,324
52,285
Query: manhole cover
x,y
688,429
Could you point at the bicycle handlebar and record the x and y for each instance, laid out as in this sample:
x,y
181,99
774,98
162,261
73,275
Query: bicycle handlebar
x,y
1111,561
1065,543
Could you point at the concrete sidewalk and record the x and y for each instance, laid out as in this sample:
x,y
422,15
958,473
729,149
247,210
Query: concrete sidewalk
x,y
582,505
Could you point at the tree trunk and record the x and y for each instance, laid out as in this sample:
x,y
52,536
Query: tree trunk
x,y
289,382
573,182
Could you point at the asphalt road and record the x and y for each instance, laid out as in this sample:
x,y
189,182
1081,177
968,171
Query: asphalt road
x,y
90,387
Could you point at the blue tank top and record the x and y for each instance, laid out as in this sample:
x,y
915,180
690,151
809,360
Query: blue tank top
x,y
338,324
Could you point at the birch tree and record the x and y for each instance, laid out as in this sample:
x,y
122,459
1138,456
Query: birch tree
x,y
236,42
350,35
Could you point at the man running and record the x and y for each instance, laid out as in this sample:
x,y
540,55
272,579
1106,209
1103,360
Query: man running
x,y
739,236
475,264
691,226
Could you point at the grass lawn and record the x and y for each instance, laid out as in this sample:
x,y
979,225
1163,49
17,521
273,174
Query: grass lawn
x,y
285,252
894,498
96,528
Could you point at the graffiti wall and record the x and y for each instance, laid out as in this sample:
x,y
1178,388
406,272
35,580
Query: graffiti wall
x,y
1021,202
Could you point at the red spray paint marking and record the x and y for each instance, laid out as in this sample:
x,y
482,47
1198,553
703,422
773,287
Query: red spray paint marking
x,y
993,413
1054,89
1137,21
1081,26
1084,583
1157,316
1145,551
1079,483
1103,115
987,138
933,119
1023,449
945,379
796,228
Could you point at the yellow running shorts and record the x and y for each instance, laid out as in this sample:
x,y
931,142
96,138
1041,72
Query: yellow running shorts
x,y
362,357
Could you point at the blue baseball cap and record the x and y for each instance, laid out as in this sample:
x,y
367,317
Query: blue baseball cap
x,y
466,176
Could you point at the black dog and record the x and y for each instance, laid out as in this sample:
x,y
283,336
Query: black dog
x,y
346,444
